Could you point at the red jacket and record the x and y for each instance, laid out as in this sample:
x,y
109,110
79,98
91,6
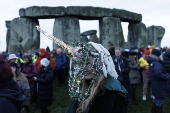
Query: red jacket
x,y
37,63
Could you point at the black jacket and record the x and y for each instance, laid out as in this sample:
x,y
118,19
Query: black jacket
x,y
11,98
166,61
124,65
45,86
109,102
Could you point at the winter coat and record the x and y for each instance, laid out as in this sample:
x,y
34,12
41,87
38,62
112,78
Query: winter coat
x,y
143,62
61,61
123,74
24,87
134,75
29,70
37,63
11,98
53,60
111,100
166,61
160,79
45,86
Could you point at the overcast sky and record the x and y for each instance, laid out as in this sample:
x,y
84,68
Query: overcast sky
x,y
154,12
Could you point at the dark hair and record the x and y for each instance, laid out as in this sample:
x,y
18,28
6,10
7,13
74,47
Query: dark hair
x,y
5,71
29,57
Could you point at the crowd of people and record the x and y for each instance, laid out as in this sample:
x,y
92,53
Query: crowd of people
x,y
34,74
28,78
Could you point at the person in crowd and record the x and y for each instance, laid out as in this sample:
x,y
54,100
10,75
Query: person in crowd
x,y
20,60
29,70
5,54
19,54
145,72
112,50
166,60
34,56
135,49
12,58
45,85
134,74
125,53
122,69
100,91
61,61
53,60
11,98
160,81
23,85
42,54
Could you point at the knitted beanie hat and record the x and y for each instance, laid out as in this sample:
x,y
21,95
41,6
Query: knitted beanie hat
x,y
45,62
156,52
147,52
42,50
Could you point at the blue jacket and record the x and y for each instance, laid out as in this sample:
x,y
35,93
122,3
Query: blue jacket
x,y
11,98
61,61
160,79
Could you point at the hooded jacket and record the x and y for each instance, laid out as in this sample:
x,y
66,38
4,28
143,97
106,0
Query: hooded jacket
x,y
160,79
166,61
11,98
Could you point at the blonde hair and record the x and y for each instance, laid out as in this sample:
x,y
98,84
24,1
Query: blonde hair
x,y
96,88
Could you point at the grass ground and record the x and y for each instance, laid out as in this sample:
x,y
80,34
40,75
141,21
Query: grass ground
x,y
62,100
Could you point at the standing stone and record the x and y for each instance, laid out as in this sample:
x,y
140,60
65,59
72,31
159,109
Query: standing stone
x,y
155,35
84,39
92,35
111,33
8,24
24,35
137,34
94,38
67,29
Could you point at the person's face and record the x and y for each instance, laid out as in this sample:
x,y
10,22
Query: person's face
x,y
41,54
89,71
146,56
30,52
19,53
117,53
26,59
13,60
51,54
58,51
134,56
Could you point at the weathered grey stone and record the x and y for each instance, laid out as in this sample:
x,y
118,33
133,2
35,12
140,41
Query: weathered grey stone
x,y
42,12
137,34
84,39
89,12
127,16
111,33
94,38
90,32
22,12
155,35
8,24
24,35
66,29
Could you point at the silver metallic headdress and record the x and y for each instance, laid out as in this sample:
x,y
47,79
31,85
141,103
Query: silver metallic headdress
x,y
80,52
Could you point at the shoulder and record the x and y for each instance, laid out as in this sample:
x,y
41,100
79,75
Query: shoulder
x,y
114,85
